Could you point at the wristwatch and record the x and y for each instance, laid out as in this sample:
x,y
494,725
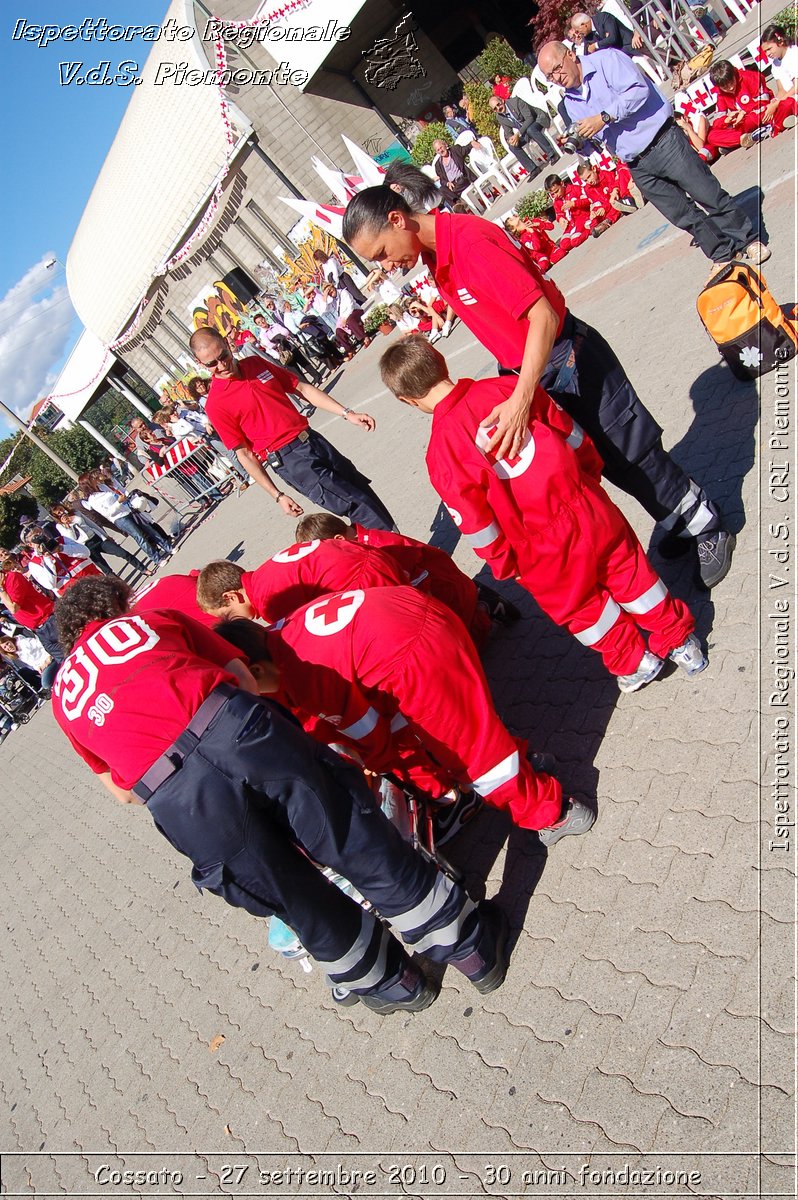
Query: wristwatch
x,y
606,118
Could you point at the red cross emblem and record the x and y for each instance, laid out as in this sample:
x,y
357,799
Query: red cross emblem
x,y
294,553
760,56
332,613
687,107
605,161
701,96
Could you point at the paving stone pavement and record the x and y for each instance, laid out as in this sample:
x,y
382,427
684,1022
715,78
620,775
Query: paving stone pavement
x,y
647,1017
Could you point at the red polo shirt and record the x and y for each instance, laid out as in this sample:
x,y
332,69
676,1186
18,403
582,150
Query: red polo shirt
x,y
255,411
34,607
131,685
173,591
489,282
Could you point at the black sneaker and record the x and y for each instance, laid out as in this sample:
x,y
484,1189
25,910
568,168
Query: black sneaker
x,y
714,557
499,609
449,819
426,993
542,762
493,974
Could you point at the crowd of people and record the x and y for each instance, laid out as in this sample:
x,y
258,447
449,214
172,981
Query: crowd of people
x,y
285,692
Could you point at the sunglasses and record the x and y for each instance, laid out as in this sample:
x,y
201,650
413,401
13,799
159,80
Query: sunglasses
x,y
214,362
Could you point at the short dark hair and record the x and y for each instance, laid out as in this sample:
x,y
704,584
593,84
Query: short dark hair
x,y
583,169
247,636
96,599
774,33
412,367
321,526
551,181
723,73
369,210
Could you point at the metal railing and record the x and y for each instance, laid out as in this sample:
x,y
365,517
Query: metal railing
x,y
190,473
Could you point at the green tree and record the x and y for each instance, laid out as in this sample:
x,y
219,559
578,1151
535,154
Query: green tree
x,y
78,449
108,412
499,58
481,115
20,504
423,152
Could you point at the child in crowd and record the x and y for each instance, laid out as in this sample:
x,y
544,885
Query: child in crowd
x,y
293,577
426,567
612,194
743,99
782,112
572,208
542,520
533,234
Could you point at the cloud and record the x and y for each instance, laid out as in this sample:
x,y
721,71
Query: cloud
x,y
34,333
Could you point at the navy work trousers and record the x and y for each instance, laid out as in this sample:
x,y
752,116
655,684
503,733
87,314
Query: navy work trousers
x,y
255,796
317,470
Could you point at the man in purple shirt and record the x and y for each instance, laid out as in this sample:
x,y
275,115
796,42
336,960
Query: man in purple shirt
x,y
607,96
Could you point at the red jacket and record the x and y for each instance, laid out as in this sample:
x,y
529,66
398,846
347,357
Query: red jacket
x,y
751,95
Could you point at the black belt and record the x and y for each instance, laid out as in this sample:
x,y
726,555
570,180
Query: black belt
x,y
271,458
172,759
663,129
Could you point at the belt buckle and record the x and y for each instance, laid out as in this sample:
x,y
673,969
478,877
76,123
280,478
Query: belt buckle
x,y
303,435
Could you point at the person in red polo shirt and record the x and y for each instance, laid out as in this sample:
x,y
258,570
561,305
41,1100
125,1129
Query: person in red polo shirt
x,y
173,591
293,577
255,803
522,318
250,408
28,605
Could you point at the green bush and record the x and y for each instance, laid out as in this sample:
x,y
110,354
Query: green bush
x,y
375,317
422,151
481,114
533,205
788,19
18,504
499,58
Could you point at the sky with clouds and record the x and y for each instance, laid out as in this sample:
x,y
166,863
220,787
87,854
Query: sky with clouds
x,y
53,151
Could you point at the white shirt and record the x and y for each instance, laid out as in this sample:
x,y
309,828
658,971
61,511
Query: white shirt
x,y
389,292
31,652
333,270
80,530
786,72
107,504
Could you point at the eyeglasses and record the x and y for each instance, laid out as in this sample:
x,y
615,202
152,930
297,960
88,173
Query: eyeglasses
x,y
556,75
223,357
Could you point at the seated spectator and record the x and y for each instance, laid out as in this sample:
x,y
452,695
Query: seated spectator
x,y
29,658
521,124
333,272
612,193
279,344
454,175
572,208
502,86
694,126
28,604
533,234
316,334
454,123
349,329
782,112
602,31
743,99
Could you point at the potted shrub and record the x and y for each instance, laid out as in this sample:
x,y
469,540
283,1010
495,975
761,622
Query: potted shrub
x,y
377,319
423,151
534,204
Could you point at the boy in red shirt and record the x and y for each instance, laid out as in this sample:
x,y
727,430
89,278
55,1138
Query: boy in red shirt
x,y
393,673
293,577
533,234
173,591
426,567
540,519
573,208
611,193
743,97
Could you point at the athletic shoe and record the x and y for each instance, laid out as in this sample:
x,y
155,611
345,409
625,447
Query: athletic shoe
x,y
650,667
624,205
343,997
449,819
717,267
690,657
424,994
714,557
433,336
746,141
492,975
602,227
542,762
790,121
447,329
578,818
499,609
757,252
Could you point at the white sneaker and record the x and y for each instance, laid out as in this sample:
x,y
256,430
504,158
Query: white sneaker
x,y
447,329
433,335
690,657
757,253
650,667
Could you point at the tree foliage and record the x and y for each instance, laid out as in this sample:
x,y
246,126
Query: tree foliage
x,y
481,115
554,17
499,58
423,152
20,504
788,19
109,411
534,204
